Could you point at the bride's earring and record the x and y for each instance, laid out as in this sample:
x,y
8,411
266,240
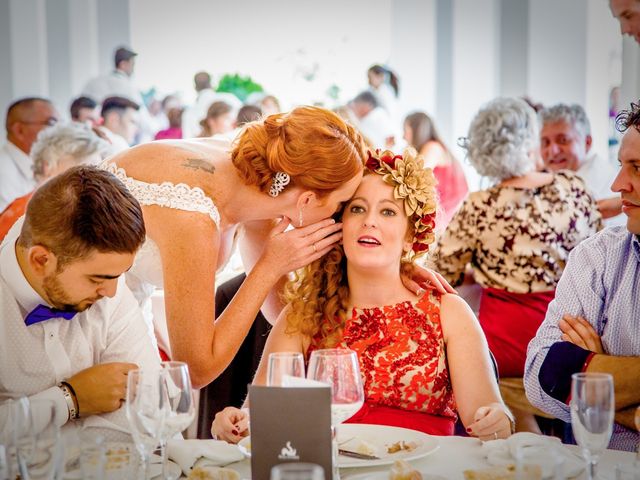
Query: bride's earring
x,y
300,218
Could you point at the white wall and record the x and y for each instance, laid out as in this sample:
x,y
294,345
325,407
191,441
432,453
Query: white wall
x,y
335,41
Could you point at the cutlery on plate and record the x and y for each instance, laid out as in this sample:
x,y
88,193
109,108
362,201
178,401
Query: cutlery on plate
x,y
361,456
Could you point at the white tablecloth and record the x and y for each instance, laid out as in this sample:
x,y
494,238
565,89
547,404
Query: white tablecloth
x,y
455,455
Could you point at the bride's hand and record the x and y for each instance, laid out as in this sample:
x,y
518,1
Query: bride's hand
x,y
491,422
419,275
291,250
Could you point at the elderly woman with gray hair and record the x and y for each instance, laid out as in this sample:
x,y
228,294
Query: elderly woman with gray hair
x,y
56,149
516,235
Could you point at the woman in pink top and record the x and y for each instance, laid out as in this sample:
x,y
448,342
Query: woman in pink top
x,y
420,132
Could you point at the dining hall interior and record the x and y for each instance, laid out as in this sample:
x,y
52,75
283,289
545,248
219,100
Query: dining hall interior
x,y
425,212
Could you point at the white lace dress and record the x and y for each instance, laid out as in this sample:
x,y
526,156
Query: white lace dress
x,y
145,276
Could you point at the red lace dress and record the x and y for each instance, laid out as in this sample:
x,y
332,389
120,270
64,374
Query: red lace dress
x,y
402,358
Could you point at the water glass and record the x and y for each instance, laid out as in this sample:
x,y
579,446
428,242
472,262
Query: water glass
x,y
121,462
592,413
92,455
539,461
284,363
297,471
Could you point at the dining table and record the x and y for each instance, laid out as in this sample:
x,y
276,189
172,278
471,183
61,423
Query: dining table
x,y
453,456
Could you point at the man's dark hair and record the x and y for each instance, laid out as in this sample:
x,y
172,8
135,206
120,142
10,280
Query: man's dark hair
x,y
629,118
120,104
80,103
82,210
366,97
22,103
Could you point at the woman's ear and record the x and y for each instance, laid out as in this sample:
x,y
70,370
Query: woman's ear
x,y
306,199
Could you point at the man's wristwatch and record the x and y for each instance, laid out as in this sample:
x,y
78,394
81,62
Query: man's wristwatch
x,y
70,398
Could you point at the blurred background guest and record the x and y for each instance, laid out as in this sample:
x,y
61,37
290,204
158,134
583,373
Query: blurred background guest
x,y
420,132
270,105
119,122
25,118
374,121
515,236
85,110
248,113
206,96
174,115
218,120
384,84
56,149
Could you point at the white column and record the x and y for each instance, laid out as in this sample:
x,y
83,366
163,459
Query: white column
x,y
29,62
476,59
630,87
114,30
6,78
514,47
83,43
413,52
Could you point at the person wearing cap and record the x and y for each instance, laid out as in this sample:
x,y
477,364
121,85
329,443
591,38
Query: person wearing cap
x,y
117,83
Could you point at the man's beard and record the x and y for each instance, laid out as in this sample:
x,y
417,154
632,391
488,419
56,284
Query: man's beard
x,y
58,297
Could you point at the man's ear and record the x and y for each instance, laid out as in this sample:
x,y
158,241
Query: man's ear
x,y
41,260
587,143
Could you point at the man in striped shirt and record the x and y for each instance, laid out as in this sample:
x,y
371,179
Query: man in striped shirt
x,y
593,324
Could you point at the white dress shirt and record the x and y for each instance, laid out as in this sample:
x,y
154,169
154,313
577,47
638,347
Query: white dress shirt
x,y
16,174
35,358
599,174
114,84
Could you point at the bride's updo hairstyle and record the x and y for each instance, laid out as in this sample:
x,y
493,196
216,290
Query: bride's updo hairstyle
x,y
314,146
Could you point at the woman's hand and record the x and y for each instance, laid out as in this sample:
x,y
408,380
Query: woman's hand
x,y
420,275
581,333
230,425
491,422
291,250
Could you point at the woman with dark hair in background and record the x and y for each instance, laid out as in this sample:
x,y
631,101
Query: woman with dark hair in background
x,y
384,84
219,119
420,132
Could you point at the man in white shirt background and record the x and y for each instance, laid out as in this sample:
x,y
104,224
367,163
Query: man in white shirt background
x,y
70,329
25,119
120,122
565,143
374,121
116,83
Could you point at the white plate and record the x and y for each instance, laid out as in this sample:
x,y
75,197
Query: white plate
x,y
381,436
378,435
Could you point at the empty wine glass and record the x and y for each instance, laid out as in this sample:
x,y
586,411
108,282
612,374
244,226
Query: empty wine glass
x,y
592,412
180,409
145,410
284,364
38,444
340,369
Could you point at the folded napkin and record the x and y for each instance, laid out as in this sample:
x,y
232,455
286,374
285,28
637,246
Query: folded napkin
x,y
536,449
206,453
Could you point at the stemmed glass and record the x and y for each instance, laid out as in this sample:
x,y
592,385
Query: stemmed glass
x,y
592,412
636,420
146,404
340,369
180,409
283,364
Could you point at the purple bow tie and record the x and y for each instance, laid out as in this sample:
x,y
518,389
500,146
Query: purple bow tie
x,y
42,313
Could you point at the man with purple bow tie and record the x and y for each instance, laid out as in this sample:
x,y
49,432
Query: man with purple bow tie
x,y
70,330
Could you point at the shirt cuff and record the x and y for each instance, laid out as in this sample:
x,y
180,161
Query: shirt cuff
x,y
563,360
60,404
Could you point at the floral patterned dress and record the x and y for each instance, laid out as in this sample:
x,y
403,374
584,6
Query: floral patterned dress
x,y
403,362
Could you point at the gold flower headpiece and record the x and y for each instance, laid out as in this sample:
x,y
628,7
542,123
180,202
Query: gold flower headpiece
x,y
415,186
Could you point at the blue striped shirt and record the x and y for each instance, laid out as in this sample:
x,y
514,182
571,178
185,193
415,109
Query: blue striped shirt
x,y
601,282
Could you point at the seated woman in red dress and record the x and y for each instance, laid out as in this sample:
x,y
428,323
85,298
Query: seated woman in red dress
x,y
424,359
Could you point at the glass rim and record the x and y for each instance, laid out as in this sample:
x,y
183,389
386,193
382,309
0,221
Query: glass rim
x,y
333,352
592,376
285,354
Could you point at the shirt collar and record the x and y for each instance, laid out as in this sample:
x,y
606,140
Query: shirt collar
x,y
21,159
10,270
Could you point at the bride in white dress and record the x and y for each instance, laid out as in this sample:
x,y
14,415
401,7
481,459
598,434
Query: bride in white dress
x,y
199,195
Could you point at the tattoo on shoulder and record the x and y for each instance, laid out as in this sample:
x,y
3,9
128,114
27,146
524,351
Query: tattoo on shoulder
x,y
199,164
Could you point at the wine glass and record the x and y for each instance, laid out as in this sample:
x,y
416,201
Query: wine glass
x,y
284,364
636,420
592,412
339,368
180,409
145,409
37,438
